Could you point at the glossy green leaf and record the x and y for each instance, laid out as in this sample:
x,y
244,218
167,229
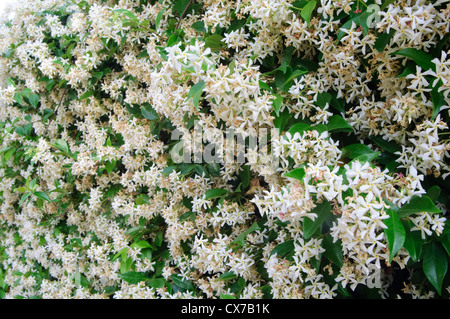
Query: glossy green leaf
x,y
395,233
133,277
158,17
86,95
34,100
288,82
182,283
307,11
240,239
199,26
244,174
445,240
368,157
413,241
42,195
142,244
337,123
388,146
299,128
276,104
435,264
214,193
214,42
323,211
127,13
418,205
355,150
420,57
156,282
333,250
438,100
229,275
195,92
149,113
297,173
323,98
284,249
433,192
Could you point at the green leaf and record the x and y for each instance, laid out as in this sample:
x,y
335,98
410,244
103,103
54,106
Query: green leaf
x,y
182,283
62,145
297,173
199,26
18,98
264,86
21,189
240,239
433,192
288,82
276,104
438,100
159,239
229,275
323,211
97,75
133,277
323,98
395,233
418,205
142,244
188,215
299,128
363,20
156,282
333,250
227,296
355,150
214,193
368,157
42,196
9,153
244,174
337,123
214,42
307,11
180,5
409,69
284,249
435,264
420,57
413,241
109,166
388,146
34,100
24,197
149,113
86,95
50,84
281,120
195,92
445,240
127,13
158,18
347,26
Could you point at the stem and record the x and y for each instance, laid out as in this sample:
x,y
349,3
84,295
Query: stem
x,y
182,15
362,3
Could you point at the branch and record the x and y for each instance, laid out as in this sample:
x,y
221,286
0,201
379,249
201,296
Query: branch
x,y
182,15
